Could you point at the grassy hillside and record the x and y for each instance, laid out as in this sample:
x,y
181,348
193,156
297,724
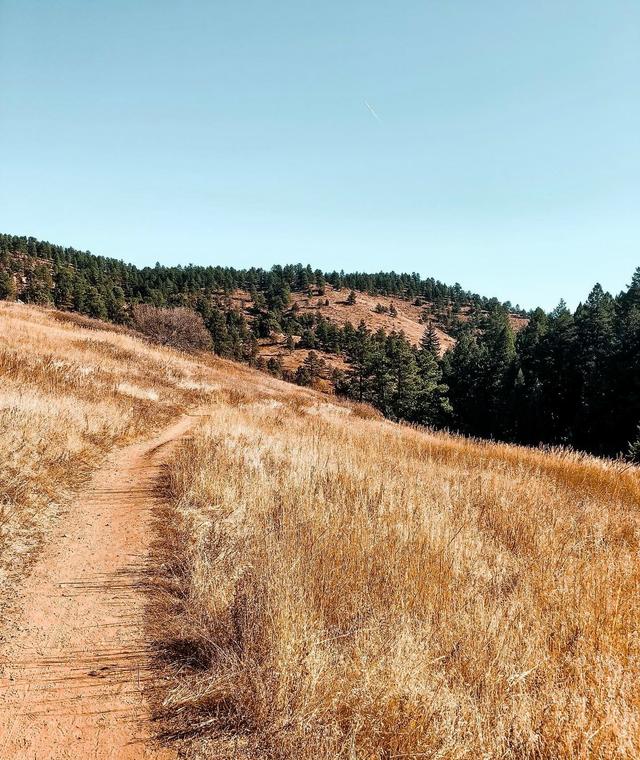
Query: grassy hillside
x,y
67,395
416,349
332,304
343,587
331,584
38,272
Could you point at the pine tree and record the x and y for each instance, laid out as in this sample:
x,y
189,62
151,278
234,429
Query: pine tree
x,y
594,349
116,305
274,366
463,372
379,371
310,369
625,375
407,386
430,343
217,325
359,352
7,286
94,304
39,288
433,405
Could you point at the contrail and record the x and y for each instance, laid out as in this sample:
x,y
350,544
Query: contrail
x,y
372,109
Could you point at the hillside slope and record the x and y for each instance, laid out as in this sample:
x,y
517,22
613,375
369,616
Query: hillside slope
x,y
481,367
328,584
68,395
332,304
344,587
39,272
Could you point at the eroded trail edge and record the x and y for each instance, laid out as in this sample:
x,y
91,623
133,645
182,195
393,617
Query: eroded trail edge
x,y
75,666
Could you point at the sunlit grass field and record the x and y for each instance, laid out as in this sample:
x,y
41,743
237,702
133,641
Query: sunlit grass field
x,y
330,584
343,587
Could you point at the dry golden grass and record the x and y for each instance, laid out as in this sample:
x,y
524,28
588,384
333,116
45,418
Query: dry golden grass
x,y
67,395
333,585
342,587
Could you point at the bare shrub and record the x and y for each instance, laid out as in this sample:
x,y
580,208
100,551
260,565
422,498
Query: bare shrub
x,y
179,328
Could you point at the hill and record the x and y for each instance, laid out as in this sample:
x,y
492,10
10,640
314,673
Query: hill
x,y
39,272
323,583
417,349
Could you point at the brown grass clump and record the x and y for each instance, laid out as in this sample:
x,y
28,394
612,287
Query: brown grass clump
x,y
67,395
342,587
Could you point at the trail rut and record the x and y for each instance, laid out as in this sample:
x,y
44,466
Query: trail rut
x,y
74,666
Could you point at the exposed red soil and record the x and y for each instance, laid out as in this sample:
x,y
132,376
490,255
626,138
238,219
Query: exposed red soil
x,y
74,665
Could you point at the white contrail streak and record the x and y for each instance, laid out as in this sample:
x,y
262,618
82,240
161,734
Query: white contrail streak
x,y
373,111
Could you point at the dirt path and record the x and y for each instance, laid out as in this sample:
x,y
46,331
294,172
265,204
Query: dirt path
x,y
73,668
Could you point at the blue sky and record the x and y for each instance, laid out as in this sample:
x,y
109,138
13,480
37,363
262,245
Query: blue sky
x,y
506,155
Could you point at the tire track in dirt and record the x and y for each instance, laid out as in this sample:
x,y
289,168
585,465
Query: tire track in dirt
x,y
74,667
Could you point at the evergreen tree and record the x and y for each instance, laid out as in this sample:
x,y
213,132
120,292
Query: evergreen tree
x,y
39,287
430,343
274,366
379,387
359,355
216,323
94,304
463,373
116,305
433,405
407,386
594,348
310,369
7,286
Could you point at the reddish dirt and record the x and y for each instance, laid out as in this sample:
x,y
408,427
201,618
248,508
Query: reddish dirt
x,y
337,310
74,666
340,312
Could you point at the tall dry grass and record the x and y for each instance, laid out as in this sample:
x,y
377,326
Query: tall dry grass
x,y
67,395
332,585
342,587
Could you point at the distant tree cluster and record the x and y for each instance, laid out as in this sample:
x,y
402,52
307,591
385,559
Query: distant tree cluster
x,y
566,378
74,272
386,370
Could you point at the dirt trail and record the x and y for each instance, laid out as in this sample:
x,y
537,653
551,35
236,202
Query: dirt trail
x,y
73,669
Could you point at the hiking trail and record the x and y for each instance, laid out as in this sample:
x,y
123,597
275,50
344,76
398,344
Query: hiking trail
x,y
73,661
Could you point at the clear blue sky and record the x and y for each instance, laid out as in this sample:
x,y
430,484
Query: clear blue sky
x,y
505,155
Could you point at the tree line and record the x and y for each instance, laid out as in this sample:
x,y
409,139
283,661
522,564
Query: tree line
x,y
96,283
567,378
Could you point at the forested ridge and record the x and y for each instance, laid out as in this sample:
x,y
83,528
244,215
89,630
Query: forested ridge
x,y
568,378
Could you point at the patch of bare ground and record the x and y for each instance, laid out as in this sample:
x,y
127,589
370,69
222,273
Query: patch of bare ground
x,y
74,663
